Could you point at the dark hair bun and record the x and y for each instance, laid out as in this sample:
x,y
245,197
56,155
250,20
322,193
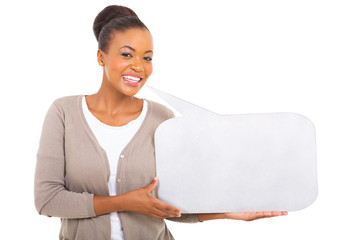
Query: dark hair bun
x,y
109,13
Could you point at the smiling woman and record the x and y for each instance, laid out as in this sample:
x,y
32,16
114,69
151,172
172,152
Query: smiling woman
x,y
95,163
127,61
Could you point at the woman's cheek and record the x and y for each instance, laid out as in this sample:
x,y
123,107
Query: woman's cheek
x,y
121,65
148,70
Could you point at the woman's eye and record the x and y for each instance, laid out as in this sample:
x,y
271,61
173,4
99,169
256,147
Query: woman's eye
x,y
126,54
148,58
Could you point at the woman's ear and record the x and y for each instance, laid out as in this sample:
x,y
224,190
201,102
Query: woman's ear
x,y
100,57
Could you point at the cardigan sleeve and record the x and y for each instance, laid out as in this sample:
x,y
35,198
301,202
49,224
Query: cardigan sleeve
x,y
50,195
185,218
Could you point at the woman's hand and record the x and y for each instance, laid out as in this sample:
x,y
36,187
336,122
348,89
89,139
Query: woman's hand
x,y
250,216
246,216
141,201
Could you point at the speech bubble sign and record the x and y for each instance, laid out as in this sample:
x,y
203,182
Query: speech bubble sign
x,y
210,163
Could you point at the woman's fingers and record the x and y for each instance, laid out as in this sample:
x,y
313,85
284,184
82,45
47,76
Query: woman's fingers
x,y
274,214
159,213
161,209
166,207
266,214
152,185
249,216
142,201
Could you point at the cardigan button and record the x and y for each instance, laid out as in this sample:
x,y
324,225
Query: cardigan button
x,y
122,156
119,180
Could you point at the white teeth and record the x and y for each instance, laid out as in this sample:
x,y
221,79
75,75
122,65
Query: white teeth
x,y
131,78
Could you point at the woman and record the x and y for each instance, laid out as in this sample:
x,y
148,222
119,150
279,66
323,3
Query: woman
x,y
95,164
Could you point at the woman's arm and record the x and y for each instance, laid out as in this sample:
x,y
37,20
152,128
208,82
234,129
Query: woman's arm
x,y
139,201
51,196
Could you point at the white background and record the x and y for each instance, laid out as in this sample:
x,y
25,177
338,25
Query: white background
x,y
227,56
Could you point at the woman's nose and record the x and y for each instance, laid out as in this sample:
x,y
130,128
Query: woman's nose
x,y
137,65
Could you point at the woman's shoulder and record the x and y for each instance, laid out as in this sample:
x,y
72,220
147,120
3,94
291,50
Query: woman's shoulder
x,y
66,100
66,103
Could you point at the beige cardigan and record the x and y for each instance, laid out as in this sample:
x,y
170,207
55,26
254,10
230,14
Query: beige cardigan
x,y
72,167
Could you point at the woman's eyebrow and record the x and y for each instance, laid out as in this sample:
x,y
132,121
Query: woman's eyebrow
x,y
126,46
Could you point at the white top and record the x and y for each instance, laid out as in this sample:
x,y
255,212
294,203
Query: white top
x,y
113,140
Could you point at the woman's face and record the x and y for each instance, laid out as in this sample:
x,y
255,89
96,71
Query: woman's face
x,y
127,64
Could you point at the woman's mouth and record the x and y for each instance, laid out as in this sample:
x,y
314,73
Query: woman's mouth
x,y
132,79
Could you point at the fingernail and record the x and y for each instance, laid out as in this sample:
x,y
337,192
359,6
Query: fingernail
x,y
156,178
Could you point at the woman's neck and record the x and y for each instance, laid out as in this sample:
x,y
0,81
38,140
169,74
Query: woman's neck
x,y
110,101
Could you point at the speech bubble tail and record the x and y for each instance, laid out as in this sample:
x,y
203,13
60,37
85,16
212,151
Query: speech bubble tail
x,y
185,108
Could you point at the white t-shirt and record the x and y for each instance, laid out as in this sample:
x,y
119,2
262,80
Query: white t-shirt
x,y
113,140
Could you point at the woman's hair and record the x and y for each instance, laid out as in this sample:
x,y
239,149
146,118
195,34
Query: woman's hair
x,y
114,18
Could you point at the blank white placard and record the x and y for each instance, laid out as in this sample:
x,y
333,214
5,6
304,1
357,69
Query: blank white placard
x,y
234,163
